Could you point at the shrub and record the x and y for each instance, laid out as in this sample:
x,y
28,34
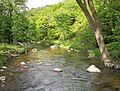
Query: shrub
x,y
114,50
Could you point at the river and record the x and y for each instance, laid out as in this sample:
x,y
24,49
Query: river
x,y
38,74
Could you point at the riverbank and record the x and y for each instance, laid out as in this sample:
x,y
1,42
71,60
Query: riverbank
x,y
8,51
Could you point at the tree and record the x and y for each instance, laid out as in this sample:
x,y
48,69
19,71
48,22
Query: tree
x,y
9,8
92,17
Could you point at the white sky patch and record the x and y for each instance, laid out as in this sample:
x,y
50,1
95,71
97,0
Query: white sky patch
x,y
39,3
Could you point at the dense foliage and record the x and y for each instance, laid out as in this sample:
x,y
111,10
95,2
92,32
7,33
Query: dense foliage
x,y
65,24
11,19
110,19
62,24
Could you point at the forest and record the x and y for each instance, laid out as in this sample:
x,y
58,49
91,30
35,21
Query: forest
x,y
63,24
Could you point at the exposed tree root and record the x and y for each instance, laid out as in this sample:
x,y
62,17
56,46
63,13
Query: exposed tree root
x,y
113,65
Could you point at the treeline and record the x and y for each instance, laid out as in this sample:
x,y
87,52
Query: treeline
x,y
66,25
62,24
12,19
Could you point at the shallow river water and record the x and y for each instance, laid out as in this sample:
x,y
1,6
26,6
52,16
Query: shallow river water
x,y
38,74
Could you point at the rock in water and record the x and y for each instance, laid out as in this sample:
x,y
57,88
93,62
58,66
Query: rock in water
x,y
11,74
3,85
58,70
69,51
47,81
25,66
55,46
2,78
34,50
1,70
23,63
41,63
4,67
38,60
48,64
93,68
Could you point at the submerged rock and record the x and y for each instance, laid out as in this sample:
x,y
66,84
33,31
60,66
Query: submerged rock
x,y
25,66
93,68
47,81
11,74
37,61
41,63
47,64
3,85
58,70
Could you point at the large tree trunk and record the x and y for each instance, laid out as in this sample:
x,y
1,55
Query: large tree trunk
x,y
100,41
97,29
98,34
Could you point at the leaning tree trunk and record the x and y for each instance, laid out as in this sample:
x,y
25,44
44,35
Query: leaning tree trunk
x,y
98,34
105,54
97,29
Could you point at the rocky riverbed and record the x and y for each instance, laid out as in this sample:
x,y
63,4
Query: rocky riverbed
x,y
36,71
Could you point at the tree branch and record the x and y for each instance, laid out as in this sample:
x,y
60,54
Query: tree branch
x,y
94,14
87,14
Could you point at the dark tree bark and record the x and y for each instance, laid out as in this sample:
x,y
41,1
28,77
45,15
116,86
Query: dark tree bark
x,y
95,25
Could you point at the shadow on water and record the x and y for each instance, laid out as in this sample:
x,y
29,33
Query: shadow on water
x,y
38,74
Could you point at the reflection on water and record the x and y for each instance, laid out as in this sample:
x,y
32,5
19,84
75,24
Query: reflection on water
x,y
37,76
